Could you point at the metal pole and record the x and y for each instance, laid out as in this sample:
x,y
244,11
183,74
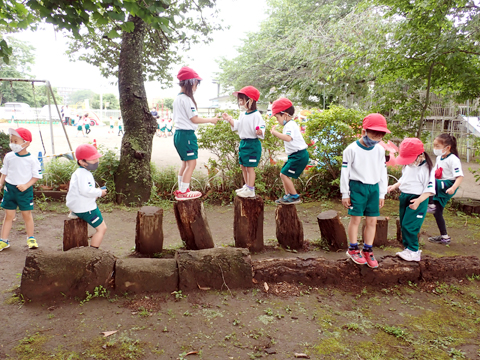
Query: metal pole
x,y
50,116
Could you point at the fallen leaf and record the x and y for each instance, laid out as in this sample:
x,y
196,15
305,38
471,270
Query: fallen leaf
x,y
203,288
191,353
265,285
108,333
255,281
301,356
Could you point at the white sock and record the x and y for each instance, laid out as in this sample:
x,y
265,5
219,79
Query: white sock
x,y
445,236
184,187
179,180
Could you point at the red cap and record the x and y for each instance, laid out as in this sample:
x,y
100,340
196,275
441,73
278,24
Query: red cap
x,y
375,122
186,73
250,91
22,133
280,105
87,152
410,148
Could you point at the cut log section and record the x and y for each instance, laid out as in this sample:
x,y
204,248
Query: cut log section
x,y
192,224
75,233
289,228
149,230
248,223
381,232
467,205
332,230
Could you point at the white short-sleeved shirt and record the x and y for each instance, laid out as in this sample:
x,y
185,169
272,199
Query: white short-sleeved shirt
x,y
82,194
20,169
417,180
247,123
183,110
292,129
451,165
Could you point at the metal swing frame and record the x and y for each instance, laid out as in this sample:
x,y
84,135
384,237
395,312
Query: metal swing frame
x,y
49,93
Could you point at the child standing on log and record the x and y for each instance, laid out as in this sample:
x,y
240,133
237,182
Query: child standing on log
x,y
82,193
449,176
186,122
20,171
250,127
417,184
295,147
363,184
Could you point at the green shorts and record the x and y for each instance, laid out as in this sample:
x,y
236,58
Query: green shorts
x,y
163,128
13,198
296,163
185,142
158,126
364,198
250,152
93,218
79,127
87,126
441,187
111,126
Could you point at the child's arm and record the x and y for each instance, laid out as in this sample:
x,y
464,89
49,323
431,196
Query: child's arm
x,y
345,178
455,185
2,180
260,127
416,202
228,118
281,136
198,120
24,187
393,187
383,185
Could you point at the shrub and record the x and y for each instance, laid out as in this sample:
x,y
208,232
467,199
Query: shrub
x,y
4,144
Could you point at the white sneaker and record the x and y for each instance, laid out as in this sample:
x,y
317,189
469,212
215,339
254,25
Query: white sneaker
x,y
72,215
247,193
410,255
241,189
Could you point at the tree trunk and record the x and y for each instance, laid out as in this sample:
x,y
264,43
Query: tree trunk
x,y
381,232
332,230
427,102
149,231
192,224
133,181
75,233
248,223
289,227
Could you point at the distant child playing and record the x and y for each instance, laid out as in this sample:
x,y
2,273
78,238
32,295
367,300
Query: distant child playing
x,y
417,184
20,171
363,184
449,176
82,193
250,127
295,147
186,122
120,125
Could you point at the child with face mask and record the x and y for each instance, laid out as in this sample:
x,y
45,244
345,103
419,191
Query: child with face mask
x,y
250,127
449,176
295,147
363,184
20,171
416,184
82,193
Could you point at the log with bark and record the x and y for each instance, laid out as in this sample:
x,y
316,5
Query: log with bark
x,y
149,230
332,230
289,228
193,225
75,233
248,223
381,232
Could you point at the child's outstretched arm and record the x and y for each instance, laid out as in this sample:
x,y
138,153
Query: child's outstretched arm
x,y
198,120
279,135
228,118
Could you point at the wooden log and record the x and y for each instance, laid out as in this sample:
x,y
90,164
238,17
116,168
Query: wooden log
x,y
332,230
248,223
149,230
289,228
75,233
381,232
192,224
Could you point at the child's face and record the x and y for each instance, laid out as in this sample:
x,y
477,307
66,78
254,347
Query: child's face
x,y
14,139
281,118
373,135
438,145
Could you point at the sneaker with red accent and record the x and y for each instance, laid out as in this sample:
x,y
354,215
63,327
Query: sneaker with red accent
x,y
357,257
187,195
371,261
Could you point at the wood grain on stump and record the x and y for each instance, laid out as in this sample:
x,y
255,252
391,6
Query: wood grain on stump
x,y
289,228
332,230
381,232
192,224
149,230
75,233
248,223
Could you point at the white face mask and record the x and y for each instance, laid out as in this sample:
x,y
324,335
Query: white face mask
x,y
243,107
16,148
439,152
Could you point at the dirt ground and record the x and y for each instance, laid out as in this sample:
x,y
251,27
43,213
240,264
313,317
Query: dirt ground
x,y
424,321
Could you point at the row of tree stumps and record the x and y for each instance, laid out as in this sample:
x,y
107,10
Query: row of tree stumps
x,y
247,227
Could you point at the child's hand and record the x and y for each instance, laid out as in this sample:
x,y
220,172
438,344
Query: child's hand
x,y
390,189
227,117
450,191
104,192
273,128
346,202
381,202
22,188
258,131
414,204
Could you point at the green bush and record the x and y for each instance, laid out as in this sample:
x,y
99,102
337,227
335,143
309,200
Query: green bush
x,y
4,144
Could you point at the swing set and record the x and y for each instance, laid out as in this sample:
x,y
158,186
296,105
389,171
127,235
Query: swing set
x,y
69,154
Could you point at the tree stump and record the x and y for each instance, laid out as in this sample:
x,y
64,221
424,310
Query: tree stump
x,y
381,232
248,223
289,228
149,230
332,230
75,233
192,224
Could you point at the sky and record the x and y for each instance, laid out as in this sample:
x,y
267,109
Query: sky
x,y
52,63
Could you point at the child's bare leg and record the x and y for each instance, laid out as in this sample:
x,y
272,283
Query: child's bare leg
x,y
189,167
244,174
250,176
182,169
353,229
288,185
28,218
370,228
98,236
7,223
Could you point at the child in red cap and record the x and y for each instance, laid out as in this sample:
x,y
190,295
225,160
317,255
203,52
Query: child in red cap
x,y
20,171
363,184
82,193
417,185
250,127
295,147
186,122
